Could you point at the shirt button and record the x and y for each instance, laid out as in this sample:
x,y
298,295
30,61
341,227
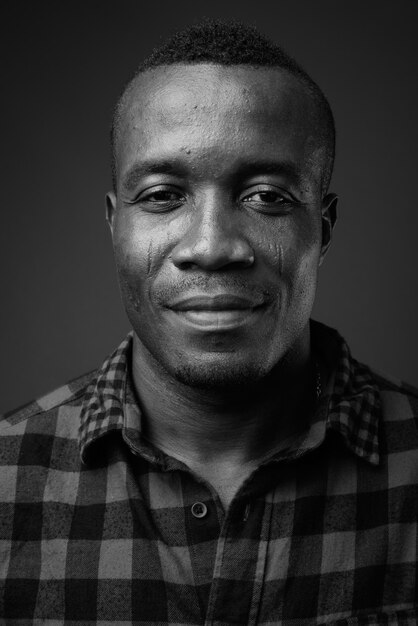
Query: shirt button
x,y
199,510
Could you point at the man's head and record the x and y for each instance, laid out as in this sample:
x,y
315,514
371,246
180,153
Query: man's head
x,y
220,216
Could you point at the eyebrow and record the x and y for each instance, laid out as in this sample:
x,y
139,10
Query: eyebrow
x,y
138,170
243,169
279,168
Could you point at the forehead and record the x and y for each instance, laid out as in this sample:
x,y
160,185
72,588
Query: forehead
x,y
206,105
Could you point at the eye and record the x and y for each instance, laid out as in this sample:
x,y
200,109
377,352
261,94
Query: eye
x,y
267,196
268,199
160,195
161,198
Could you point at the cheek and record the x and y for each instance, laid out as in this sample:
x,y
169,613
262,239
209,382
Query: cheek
x,y
130,259
141,245
296,257
140,251
133,252
292,248
300,264
132,264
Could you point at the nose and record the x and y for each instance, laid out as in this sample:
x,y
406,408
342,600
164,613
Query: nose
x,y
214,239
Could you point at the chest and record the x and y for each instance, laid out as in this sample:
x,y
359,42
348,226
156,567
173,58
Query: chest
x,y
305,543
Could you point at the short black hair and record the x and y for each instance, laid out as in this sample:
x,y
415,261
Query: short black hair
x,y
232,43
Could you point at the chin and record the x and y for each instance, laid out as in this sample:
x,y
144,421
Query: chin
x,y
218,376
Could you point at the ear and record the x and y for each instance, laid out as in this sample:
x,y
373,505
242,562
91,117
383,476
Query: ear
x,y
110,209
328,217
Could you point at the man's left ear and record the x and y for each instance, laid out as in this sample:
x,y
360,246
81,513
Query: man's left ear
x,y
328,217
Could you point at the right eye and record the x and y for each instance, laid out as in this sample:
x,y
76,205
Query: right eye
x,y
160,198
161,195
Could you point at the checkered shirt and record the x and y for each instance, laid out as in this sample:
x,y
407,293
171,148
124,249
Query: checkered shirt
x,y
98,527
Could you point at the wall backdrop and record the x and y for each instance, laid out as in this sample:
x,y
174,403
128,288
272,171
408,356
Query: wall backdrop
x,y
65,65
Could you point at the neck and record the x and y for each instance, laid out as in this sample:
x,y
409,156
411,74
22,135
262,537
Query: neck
x,y
235,426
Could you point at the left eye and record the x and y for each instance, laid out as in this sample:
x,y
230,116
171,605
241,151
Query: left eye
x,y
267,197
162,195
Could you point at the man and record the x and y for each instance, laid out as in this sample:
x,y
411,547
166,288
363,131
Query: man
x,y
230,462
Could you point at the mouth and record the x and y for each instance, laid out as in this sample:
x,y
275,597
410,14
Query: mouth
x,y
217,312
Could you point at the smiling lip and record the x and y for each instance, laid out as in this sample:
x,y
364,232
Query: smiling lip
x,y
217,302
216,312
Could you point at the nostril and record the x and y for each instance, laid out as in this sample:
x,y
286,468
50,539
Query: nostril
x,y
235,254
185,265
213,243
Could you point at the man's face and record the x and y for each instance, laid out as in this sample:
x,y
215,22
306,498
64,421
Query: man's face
x,y
218,224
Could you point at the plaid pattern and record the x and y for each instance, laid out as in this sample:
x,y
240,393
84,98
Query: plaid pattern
x,y
97,526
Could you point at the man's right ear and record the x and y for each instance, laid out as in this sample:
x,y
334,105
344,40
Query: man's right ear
x,y
110,209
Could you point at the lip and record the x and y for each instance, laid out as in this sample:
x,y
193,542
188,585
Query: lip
x,y
216,312
215,302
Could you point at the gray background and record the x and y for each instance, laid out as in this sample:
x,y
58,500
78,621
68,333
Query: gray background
x,y
66,63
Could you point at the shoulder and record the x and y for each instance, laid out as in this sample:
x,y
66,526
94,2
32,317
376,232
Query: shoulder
x,y
399,399
399,430
54,414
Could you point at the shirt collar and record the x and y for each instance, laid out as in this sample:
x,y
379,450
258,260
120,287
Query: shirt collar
x,y
350,404
352,398
102,411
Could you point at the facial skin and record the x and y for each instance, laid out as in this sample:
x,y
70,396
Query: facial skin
x,y
219,224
